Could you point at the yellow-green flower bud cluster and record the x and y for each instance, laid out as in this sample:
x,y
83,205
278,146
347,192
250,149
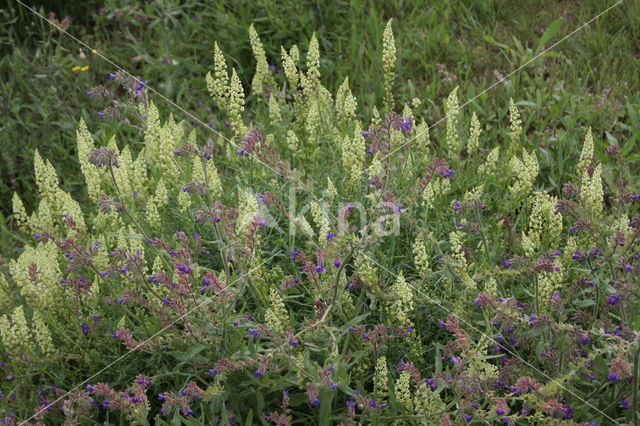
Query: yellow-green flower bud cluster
x,y
490,163
298,367
321,219
474,135
452,110
292,140
516,126
332,191
156,202
353,152
14,330
227,92
525,171
40,293
161,140
261,76
491,287
434,188
420,255
121,174
477,364
46,177
457,256
276,316
422,138
42,335
346,103
289,61
275,117
388,64
247,210
428,403
235,106
545,225
313,121
218,83
5,296
54,202
402,304
474,194
586,155
16,334
313,62
184,203
548,282
591,192
303,225
366,270
403,391
20,213
92,175
206,171
381,379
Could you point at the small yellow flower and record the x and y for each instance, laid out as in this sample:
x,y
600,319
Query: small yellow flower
x,y
76,68
85,68
94,51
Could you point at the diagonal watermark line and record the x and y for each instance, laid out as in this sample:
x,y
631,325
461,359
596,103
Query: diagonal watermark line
x,y
305,187
504,78
435,302
111,364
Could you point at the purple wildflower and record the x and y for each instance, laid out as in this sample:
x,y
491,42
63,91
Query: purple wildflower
x,y
613,299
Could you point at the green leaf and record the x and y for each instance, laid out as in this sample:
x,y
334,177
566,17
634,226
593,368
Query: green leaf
x,y
249,420
326,398
190,354
584,303
549,33
357,319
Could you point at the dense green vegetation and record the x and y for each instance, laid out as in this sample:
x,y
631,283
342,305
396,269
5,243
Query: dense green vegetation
x,y
405,246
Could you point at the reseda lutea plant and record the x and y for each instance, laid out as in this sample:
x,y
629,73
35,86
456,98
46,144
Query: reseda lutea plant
x,y
486,298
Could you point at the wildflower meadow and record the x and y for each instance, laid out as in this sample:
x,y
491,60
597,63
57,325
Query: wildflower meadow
x,y
299,244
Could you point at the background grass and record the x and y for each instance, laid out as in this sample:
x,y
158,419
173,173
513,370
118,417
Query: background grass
x,y
591,79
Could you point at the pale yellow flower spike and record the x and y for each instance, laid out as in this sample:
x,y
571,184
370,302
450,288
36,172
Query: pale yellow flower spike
x,y
353,152
261,76
218,83
276,315
474,134
388,63
592,193
403,301
313,62
236,104
381,379
91,174
289,66
586,156
452,110
516,126
403,391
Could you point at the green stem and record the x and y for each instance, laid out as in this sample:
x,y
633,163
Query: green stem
x,y
636,376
